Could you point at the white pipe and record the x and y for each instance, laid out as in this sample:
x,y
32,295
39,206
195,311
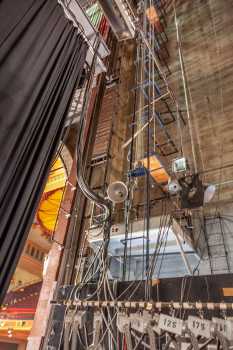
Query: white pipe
x,y
182,253
185,91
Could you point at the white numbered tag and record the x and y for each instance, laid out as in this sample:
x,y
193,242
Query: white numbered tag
x,y
224,326
170,324
140,322
199,326
122,320
137,322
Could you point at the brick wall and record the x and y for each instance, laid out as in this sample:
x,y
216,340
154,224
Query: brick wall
x,y
105,122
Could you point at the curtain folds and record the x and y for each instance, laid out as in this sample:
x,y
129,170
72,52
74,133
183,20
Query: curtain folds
x,y
41,61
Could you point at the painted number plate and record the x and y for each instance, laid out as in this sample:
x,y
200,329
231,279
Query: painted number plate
x,y
170,324
199,326
224,326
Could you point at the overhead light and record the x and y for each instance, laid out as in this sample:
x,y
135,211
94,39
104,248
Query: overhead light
x,y
192,192
173,187
117,192
209,193
179,165
156,169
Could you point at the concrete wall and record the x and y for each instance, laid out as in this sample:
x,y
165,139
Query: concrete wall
x,y
207,47
207,38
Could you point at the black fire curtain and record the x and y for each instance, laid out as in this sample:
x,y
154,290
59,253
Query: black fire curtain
x,y
42,57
